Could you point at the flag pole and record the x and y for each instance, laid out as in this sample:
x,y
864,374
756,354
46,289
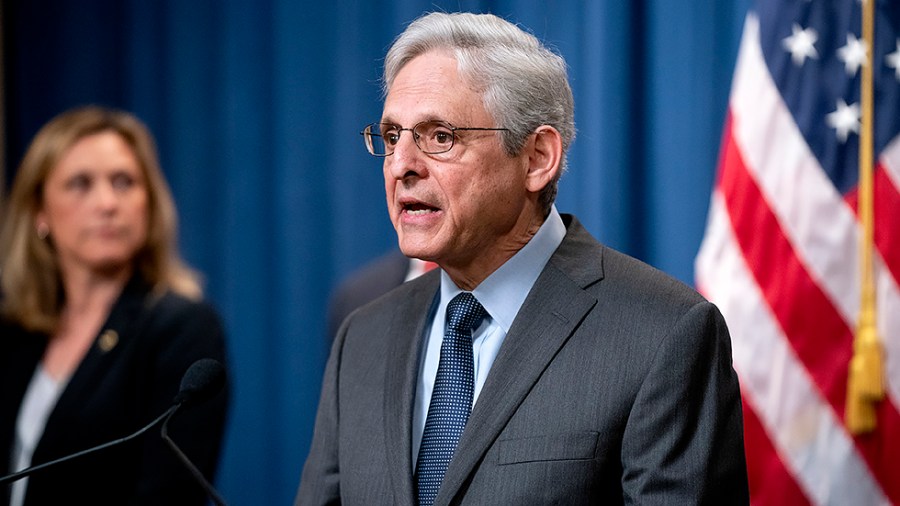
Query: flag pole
x,y
865,384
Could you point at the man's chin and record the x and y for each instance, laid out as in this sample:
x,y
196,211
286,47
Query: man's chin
x,y
418,250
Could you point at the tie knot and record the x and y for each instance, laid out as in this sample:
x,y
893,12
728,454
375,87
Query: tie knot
x,y
463,312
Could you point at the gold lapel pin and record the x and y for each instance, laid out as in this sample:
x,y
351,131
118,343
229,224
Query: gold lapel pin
x,y
108,340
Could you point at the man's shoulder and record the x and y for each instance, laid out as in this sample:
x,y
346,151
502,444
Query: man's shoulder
x,y
619,271
642,296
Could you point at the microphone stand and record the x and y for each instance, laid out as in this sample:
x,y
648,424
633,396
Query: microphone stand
x,y
198,476
203,378
25,472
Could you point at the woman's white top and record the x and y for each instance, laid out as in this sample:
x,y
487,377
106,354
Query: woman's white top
x,y
40,398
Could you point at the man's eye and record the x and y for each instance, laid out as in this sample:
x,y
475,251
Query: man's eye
x,y
391,137
443,137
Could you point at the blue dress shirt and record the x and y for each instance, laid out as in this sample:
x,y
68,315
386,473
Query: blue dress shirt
x,y
502,294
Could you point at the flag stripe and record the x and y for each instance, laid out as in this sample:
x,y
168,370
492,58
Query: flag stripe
x,y
817,333
800,423
886,203
887,238
770,481
819,336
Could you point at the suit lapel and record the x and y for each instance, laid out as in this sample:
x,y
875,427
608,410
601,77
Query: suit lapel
x,y
550,314
405,343
121,325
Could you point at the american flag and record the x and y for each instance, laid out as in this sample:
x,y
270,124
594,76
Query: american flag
x,y
781,251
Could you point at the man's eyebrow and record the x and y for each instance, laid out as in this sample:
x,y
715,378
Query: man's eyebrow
x,y
422,119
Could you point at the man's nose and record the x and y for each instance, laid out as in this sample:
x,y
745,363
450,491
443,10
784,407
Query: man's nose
x,y
407,157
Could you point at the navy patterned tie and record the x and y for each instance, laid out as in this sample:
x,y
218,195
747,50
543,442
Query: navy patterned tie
x,y
451,399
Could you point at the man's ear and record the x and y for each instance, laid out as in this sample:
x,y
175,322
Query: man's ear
x,y
544,158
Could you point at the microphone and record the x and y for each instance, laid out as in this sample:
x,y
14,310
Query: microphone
x,y
203,379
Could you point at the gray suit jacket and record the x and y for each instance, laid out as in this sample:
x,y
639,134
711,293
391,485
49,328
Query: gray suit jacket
x,y
614,384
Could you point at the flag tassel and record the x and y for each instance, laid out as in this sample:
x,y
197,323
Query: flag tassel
x,y
865,385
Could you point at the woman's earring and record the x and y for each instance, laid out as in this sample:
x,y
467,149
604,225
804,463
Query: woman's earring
x,y
43,230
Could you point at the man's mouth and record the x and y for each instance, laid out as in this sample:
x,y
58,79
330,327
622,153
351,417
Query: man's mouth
x,y
418,209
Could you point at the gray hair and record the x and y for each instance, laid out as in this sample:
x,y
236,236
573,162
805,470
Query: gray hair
x,y
523,83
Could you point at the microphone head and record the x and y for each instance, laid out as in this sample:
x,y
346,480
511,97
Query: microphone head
x,y
203,379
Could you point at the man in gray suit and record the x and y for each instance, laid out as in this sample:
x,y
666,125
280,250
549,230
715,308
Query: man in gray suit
x,y
536,366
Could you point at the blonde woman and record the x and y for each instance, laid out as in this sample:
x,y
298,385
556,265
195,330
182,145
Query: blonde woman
x,y
100,320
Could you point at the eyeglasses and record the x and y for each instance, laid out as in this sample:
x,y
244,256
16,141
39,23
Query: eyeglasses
x,y
432,137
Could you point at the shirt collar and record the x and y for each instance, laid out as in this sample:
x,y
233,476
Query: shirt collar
x,y
503,292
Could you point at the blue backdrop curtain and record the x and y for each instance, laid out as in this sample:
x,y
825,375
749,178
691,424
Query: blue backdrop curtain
x,y
257,104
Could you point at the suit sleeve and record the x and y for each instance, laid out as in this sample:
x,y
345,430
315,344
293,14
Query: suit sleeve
x,y
683,442
320,482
